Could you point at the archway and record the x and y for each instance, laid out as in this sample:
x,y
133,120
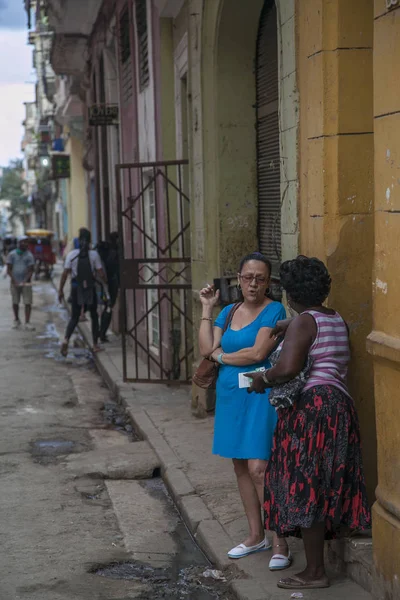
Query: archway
x,y
256,130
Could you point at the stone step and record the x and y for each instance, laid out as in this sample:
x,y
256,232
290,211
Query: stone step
x,y
135,460
354,557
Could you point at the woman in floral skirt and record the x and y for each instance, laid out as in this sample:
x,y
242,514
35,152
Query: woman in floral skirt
x,y
314,481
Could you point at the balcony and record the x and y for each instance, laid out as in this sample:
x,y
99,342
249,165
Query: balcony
x,y
68,53
69,107
72,22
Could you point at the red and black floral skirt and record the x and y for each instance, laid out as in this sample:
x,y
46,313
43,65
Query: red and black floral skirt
x,y
315,473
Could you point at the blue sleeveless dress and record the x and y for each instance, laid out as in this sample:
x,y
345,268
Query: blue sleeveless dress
x,y
244,423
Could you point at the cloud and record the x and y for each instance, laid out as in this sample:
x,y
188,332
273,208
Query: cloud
x,y
12,113
16,57
15,70
12,14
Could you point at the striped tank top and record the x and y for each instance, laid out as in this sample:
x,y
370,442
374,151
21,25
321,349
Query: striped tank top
x,y
330,352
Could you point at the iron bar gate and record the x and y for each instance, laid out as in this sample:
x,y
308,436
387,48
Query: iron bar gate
x,y
155,300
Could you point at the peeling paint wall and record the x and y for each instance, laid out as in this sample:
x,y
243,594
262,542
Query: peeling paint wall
x,y
222,45
384,339
336,150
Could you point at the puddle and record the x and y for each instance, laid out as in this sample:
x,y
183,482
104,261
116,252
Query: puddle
x,y
50,333
49,341
53,447
49,451
79,357
116,418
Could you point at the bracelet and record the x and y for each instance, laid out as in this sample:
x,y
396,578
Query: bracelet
x,y
206,319
220,359
265,378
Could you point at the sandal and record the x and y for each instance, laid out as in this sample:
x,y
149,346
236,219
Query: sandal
x,y
295,583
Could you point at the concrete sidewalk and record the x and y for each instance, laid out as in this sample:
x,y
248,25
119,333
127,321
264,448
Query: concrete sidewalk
x,y
202,485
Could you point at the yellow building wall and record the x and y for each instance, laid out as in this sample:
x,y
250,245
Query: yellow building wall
x,y
76,188
384,341
336,176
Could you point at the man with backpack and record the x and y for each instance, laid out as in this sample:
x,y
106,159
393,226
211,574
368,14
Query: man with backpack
x,y
108,252
84,266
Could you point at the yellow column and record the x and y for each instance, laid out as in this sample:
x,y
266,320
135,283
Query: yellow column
x,y
384,341
77,193
336,170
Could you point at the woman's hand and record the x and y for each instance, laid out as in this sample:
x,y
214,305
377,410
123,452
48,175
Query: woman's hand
x,y
258,384
208,297
280,328
215,354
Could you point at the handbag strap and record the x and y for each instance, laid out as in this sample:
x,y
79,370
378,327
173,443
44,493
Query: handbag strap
x,y
230,316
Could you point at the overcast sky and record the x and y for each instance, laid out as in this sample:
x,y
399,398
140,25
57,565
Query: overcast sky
x,y
15,74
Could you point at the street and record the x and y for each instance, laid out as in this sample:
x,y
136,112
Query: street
x,y
82,515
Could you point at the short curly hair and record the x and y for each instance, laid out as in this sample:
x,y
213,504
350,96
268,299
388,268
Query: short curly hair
x,y
307,280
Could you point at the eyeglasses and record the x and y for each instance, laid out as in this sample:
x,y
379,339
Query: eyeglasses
x,y
260,280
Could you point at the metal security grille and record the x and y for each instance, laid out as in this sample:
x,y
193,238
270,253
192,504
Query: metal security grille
x,y
143,47
156,290
125,54
268,154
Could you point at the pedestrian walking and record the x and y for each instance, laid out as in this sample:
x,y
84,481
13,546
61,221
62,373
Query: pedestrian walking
x,y
20,266
84,266
74,245
109,255
314,480
240,342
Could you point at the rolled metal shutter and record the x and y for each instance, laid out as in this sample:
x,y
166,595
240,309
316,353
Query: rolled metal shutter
x,y
268,154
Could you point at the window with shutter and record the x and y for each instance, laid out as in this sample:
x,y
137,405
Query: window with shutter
x,y
143,45
125,55
268,154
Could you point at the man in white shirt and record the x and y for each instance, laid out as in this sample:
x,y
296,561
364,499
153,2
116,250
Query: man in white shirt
x,y
20,264
84,266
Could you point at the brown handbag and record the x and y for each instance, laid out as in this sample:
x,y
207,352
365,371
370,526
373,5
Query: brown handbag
x,y
206,374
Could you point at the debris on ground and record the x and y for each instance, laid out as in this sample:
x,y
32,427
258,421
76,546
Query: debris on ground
x,y
214,574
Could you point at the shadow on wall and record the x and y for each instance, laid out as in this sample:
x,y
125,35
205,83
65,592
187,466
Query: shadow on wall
x,y
351,266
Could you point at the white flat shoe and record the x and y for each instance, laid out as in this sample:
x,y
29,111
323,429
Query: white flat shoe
x,y
279,562
241,550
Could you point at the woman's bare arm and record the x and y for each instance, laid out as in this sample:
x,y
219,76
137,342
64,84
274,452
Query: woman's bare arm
x,y
298,340
209,338
262,348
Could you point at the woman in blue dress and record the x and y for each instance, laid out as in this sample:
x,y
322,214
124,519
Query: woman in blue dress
x,y
244,423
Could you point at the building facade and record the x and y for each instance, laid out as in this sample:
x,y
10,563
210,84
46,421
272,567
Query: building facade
x,y
29,150
287,114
